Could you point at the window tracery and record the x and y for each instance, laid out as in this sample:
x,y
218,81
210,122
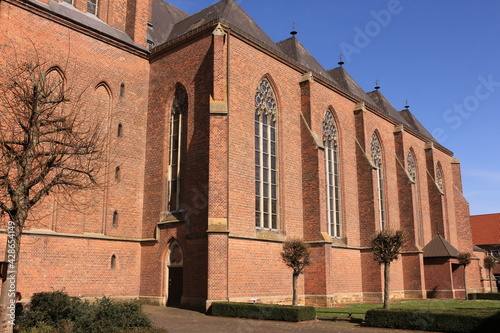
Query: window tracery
x,y
439,178
412,171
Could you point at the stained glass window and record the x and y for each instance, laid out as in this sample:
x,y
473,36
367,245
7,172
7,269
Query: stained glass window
x,y
439,178
412,171
330,141
266,182
376,153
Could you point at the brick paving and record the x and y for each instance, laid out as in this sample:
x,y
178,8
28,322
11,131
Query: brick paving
x,y
186,321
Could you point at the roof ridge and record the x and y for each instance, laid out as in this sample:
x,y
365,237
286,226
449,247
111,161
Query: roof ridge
x,y
225,6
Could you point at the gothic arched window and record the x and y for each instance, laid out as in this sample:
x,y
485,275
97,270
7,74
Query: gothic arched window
x,y
179,107
376,153
412,171
266,188
439,178
330,141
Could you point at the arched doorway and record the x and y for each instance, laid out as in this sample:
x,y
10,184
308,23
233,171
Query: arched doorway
x,y
174,275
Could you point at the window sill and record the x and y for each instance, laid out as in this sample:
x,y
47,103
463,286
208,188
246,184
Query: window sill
x,y
269,234
339,242
171,217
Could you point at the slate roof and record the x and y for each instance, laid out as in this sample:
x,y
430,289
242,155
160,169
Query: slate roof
x,y
485,229
227,12
340,75
385,106
415,124
88,20
295,50
439,247
163,18
404,117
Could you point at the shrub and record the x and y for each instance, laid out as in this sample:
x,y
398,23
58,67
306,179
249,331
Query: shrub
x,y
263,311
106,315
452,321
50,308
56,312
491,296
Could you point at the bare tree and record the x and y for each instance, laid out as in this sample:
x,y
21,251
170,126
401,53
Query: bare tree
x,y
464,260
48,144
296,255
489,263
386,246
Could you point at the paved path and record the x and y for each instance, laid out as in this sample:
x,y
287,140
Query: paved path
x,y
186,321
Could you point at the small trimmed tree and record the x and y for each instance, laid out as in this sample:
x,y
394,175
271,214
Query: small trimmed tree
x,y
296,255
464,260
489,263
386,246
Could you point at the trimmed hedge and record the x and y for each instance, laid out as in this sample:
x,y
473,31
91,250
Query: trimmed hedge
x,y
452,321
491,296
44,328
262,311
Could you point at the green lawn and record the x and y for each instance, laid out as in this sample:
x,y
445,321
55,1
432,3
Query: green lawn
x,y
359,310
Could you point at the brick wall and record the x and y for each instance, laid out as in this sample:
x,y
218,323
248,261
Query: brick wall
x,y
81,263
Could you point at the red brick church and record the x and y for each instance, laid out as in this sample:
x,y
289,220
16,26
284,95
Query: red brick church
x,y
223,145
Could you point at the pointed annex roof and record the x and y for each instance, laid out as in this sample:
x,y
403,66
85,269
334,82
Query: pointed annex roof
x,y
340,75
439,247
415,124
404,117
227,12
295,50
162,21
385,105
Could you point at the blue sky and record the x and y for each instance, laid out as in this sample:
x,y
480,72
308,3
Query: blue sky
x,y
441,56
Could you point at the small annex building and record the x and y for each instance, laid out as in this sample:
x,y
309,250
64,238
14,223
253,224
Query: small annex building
x,y
486,236
223,145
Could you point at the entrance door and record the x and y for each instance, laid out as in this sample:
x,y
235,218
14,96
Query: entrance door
x,y
174,286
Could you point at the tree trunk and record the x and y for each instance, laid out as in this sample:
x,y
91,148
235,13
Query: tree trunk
x,y
8,296
465,282
295,300
489,278
387,283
